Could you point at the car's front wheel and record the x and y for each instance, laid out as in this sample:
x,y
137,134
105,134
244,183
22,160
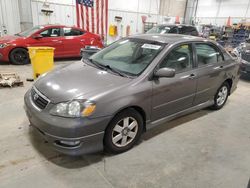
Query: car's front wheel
x,y
123,131
221,96
19,56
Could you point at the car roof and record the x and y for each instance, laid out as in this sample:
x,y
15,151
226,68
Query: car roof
x,y
58,25
172,25
168,38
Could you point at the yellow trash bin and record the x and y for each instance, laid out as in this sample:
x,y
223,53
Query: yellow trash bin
x,y
42,59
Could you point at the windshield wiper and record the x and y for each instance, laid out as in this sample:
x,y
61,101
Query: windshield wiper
x,y
115,71
95,64
107,67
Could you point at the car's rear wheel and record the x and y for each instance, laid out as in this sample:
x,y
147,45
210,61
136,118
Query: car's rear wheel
x,y
19,56
221,96
123,131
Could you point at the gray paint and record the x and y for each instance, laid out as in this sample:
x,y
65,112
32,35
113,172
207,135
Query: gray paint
x,y
161,99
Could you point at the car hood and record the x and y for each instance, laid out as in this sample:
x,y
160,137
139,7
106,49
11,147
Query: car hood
x,y
9,39
78,81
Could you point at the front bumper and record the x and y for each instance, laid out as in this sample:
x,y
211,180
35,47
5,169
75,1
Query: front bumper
x,y
4,54
71,136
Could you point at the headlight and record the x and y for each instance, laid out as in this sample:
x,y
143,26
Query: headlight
x,y
73,109
3,45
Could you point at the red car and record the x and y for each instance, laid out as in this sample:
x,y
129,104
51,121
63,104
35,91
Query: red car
x,y
67,42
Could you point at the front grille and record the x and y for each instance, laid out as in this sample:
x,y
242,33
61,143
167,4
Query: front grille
x,y
38,99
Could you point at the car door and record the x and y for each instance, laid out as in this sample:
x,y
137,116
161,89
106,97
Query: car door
x,y
171,95
210,71
50,37
73,41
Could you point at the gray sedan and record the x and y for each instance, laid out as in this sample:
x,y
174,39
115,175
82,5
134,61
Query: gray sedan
x,y
110,99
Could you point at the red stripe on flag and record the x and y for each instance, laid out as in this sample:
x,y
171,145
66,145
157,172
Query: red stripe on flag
x,y
93,19
77,14
106,17
102,18
82,16
87,18
97,16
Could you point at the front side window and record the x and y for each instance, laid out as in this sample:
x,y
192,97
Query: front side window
x,y
51,32
72,32
180,58
130,56
207,54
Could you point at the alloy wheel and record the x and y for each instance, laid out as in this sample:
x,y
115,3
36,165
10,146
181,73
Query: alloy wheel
x,y
222,96
124,132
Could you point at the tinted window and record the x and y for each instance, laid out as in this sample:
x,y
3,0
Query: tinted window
x,y
173,30
72,32
207,54
180,58
52,32
183,30
188,30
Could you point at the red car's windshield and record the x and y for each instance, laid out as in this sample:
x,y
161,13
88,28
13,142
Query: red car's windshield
x,y
30,31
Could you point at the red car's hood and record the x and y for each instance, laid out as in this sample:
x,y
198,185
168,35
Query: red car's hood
x,y
9,39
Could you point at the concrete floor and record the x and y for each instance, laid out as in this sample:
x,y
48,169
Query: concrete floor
x,y
207,149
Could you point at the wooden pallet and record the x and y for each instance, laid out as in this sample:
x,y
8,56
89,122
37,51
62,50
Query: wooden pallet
x,y
10,80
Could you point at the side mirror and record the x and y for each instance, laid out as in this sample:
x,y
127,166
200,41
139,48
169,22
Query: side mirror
x,y
37,36
165,72
89,50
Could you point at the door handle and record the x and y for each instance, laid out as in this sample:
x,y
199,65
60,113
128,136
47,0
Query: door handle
x,y
57,41
192,76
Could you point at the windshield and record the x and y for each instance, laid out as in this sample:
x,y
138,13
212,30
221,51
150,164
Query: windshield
x,y
129,56
159,29
30,31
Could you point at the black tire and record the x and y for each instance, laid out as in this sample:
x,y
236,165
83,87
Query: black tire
x,y
217,105
133,116
19,56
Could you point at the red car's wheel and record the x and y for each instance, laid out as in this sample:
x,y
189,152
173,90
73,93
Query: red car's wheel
x,y
19,56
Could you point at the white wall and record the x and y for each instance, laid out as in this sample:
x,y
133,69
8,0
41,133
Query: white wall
x,y
131,12
9,16
218,11
26,20
65,13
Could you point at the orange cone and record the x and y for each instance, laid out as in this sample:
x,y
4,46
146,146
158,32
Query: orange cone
x,y
229,21
177,20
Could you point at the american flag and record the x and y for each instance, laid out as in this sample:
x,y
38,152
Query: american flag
x,y
92,15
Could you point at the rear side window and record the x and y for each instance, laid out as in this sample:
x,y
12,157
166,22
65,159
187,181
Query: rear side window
x,y
188,30
180,59
173,30
207,54
72,32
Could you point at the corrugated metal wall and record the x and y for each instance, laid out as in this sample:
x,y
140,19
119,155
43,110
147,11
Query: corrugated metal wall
x,y
218,11
20,14
64,12
26,20
9,17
